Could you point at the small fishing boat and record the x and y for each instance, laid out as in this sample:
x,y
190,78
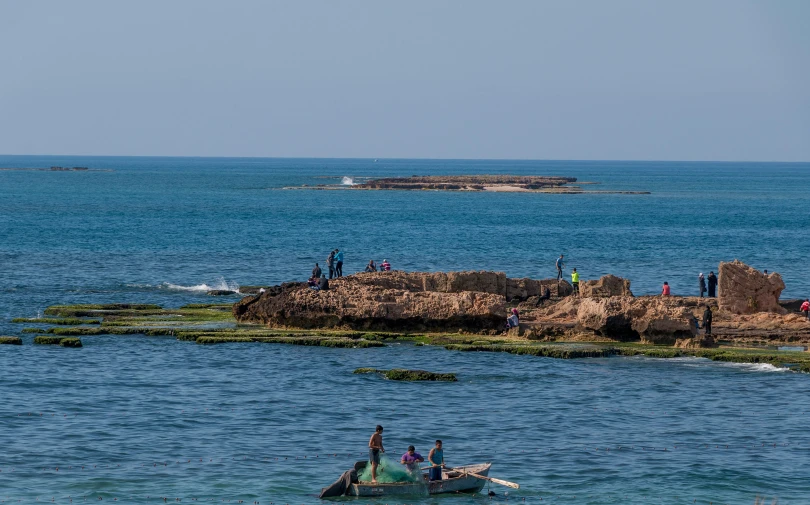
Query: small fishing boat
x,y
454,480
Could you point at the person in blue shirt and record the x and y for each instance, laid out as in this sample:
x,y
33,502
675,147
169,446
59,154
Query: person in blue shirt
x,y
339,262
560,266
436,459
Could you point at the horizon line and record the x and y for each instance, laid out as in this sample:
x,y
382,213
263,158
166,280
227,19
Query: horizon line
x,y
401,158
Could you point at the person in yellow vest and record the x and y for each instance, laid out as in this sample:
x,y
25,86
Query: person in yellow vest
x,y
575,281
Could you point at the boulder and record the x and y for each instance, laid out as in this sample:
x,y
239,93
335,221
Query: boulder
x,y
607,285
647,319
745,290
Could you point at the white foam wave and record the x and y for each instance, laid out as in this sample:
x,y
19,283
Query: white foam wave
x,y
219,284
347,181
758,367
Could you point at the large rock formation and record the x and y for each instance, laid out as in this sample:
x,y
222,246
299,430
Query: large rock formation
x,y
648,319
745,290
467,301
607,285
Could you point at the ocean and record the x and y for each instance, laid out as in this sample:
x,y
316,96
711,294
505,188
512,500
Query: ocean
x,y
271,423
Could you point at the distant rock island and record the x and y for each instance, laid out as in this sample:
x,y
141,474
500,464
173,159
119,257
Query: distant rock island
x,y
56,169
495,183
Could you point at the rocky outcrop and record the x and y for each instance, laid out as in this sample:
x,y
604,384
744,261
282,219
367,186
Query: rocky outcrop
x,y
646,319
400,301
745,290
606,286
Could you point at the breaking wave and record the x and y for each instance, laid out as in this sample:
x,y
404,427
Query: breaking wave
x,y
347,181
219,284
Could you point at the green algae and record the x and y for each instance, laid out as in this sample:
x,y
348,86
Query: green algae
x,y
401,374
46,340
10,340
306,341
34,330
67,321
94,309
70,342
545,351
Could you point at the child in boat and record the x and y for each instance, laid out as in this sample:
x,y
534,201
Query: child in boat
x,y
375,447
411,459
436,458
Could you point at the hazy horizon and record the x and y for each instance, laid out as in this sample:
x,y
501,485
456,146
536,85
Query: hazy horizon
x,y
629,80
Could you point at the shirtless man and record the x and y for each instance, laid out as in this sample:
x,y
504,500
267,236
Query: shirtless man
x,y
375,447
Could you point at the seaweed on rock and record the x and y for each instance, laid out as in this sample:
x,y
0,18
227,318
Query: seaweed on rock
x,y
8,340
401,374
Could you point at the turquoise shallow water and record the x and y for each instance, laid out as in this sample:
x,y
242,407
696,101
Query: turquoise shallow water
x,y
162,229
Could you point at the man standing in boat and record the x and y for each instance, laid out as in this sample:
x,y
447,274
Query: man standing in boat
x,y
436,459
375,447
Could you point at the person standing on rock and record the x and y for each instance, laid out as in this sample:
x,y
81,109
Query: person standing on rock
x,y
339,262
702,284
707,320
806,308
560,265
575,281
665,291
330,262
712,285
316,272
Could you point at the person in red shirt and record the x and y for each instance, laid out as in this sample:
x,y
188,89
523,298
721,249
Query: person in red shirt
x,y
665,291
806,308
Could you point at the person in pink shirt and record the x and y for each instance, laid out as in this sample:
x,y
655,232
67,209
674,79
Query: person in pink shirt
x,y
385,266
806,308
665,291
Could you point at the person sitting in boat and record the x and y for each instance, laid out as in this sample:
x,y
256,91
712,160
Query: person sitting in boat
x,y
385,266
375,447
371,267
436,459
411,459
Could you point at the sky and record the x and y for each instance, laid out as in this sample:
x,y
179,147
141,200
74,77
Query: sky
x,y
586,79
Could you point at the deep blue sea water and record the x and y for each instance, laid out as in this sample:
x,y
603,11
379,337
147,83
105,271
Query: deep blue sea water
x,y
162,230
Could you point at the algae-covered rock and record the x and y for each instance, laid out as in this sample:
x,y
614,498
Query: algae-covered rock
x,y
70,342
67,321
401,374
10,340
47,340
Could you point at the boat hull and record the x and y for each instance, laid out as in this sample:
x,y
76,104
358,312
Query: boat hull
x,y
453,481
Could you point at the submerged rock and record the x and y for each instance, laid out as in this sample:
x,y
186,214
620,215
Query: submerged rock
x,y
401,374
220,292
745,290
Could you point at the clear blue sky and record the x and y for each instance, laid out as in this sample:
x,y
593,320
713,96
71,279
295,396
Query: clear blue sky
x,y
677,80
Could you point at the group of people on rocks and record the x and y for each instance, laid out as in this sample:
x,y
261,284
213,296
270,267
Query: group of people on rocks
x,y
410,459
703,283
372,267
318,280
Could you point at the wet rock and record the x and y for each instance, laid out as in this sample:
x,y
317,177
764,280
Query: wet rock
x,y
8,340
400,374
745,290
220,292
606,286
